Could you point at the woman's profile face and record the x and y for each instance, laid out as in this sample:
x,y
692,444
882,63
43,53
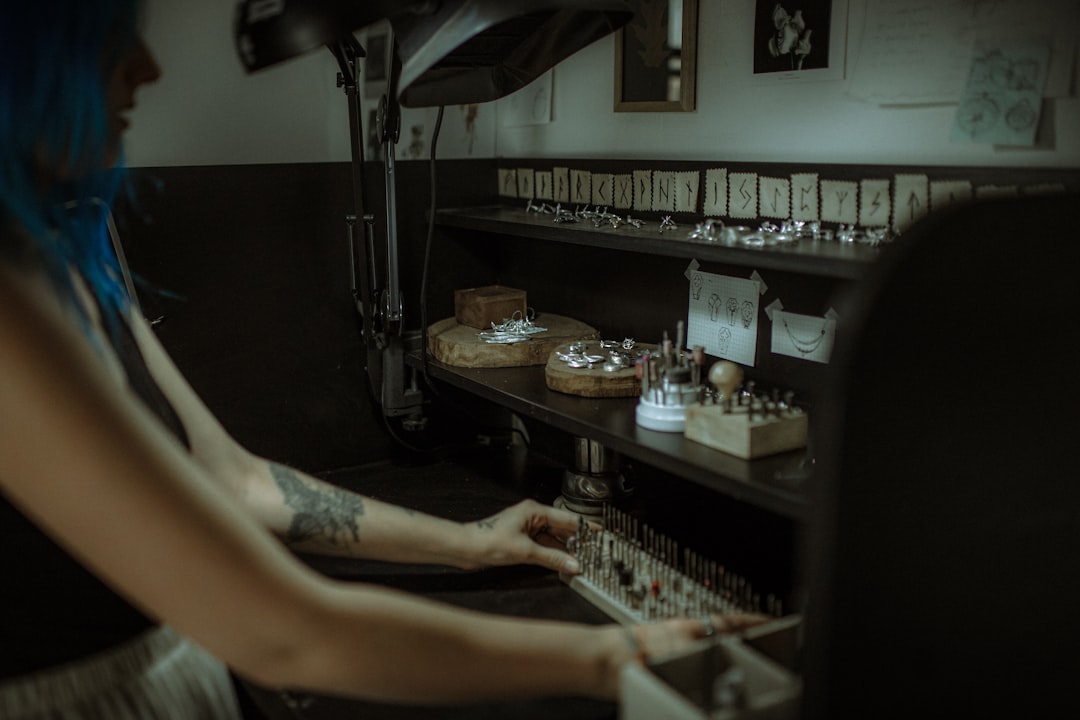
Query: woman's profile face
x,y
137,67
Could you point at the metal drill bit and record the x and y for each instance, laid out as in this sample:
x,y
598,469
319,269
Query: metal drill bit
x,y
680,341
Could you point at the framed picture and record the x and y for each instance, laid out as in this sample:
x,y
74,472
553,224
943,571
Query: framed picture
x,y
656,57
800,39
376,62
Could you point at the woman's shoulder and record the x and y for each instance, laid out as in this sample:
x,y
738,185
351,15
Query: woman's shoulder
x,y
20,257
28,284
35,316
16,245
72,319
25,283
26,266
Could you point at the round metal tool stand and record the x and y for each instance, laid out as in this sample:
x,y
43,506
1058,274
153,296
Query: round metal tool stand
x,y
595,480
663,407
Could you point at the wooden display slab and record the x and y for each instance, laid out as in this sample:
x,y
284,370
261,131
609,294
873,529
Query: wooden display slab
x,y
734,433
594,381
460,346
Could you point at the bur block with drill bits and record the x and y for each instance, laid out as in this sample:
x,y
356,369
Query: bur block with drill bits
x,y
642,576
736,432
636,575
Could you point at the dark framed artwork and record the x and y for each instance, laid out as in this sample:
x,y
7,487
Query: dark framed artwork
x,y
376,62
656,57
800,39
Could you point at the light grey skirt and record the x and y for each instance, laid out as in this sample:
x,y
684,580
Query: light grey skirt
x,y
156,676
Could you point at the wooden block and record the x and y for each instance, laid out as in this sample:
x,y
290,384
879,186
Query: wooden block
x,y
734,433
479,307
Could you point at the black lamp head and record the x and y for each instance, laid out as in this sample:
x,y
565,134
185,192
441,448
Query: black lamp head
x,y
268,32
480,50
451,51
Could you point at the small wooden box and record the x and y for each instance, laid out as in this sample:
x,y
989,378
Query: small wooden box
x,y
479,307
736,434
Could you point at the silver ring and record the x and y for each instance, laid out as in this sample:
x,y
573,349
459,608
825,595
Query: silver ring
x,y
707,623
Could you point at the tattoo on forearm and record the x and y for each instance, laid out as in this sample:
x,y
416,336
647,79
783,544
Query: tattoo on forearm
x,y
326,514
488,524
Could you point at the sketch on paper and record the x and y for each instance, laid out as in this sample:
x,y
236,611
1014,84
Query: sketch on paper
x,y
723,316
1002,100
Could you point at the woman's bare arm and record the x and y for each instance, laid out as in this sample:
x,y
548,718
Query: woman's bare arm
x,y
97,472
315,516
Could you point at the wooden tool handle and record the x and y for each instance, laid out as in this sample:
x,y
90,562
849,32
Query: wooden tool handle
x,y
725,376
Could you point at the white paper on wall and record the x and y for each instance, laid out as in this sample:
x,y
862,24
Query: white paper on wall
x,y
947,192
774,197
508,182
911,199
1002,101
530,105
875,203
743,195
560,178
984,192
840,201
580,187
525,177
915,51
715,202
912,51
804,197
723,316
807,337
686,191
603,188
542,185
663,191
624,192
643,190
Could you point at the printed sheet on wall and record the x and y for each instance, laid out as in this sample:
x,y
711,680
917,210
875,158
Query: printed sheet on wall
x,y
723,316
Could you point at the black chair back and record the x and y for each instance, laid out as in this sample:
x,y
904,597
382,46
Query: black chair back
x,y
944,552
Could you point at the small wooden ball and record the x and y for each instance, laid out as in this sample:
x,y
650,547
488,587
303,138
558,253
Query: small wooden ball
x,y
725,376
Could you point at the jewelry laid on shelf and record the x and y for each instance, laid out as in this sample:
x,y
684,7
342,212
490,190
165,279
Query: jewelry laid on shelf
x,y
620,355
518,328
577,356
714,230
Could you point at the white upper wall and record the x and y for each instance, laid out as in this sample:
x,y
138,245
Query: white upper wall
x,y
205,111
740,119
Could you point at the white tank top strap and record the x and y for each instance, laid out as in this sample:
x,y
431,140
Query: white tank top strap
x,y
158,675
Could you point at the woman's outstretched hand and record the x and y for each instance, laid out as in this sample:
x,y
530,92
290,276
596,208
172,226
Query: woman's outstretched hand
x,y
526,533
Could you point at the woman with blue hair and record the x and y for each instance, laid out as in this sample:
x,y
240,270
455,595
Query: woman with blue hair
x,y
140,557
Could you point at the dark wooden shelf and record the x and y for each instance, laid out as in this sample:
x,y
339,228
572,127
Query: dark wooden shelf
x,y
611,421
827,259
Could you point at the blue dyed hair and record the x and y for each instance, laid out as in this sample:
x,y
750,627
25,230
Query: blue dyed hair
x,y
55,60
